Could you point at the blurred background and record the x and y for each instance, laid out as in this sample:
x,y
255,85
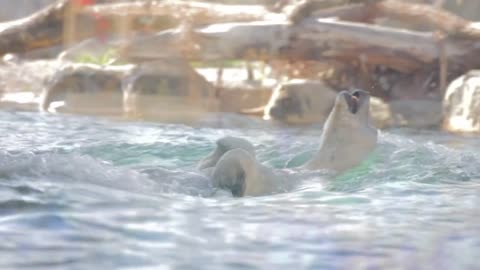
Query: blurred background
x,y
278,61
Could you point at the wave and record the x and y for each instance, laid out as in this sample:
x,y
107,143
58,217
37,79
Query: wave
x,y
93,178
111,171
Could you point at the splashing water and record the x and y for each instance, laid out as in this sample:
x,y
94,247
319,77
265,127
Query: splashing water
x,y
78,192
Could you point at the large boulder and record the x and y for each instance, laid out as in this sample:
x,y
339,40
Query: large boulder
x,y
380,113
461,104
416,113
310,102
300,102
167,91
238,92
85,89
237,98
21,81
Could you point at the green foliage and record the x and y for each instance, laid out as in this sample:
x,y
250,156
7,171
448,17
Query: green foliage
x,y
108,58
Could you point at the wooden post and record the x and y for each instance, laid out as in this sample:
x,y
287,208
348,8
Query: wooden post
x,y
69,26
124,26
443,65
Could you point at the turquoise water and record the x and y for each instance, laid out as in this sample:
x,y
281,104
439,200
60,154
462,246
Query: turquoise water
x,y
86,193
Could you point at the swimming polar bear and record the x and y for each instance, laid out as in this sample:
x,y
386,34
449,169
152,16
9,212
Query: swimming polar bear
x,y
347,137
233,164
238,171
346,141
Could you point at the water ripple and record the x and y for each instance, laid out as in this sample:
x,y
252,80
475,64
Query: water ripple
x,y
81,192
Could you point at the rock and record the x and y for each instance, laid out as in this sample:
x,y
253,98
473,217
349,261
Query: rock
x,y
461,104
416,113
17,75
380,113
21,82
405,113
300,102
85,89
236,91
243,95
168,90
310,102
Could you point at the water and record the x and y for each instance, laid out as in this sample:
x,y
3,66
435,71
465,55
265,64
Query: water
x,y
86,193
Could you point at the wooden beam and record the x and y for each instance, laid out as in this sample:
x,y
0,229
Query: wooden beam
x,y
313,39
196,12
437,19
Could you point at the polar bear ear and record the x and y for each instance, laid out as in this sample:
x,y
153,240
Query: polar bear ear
x,y
223,144
212,158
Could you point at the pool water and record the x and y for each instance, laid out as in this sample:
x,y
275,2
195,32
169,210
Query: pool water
x,y
88,193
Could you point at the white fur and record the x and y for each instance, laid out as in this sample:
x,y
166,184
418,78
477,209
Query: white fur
x,y
346,141
224,145
347,138
239,171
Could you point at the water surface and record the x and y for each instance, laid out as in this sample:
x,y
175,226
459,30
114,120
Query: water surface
x,y
85,193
